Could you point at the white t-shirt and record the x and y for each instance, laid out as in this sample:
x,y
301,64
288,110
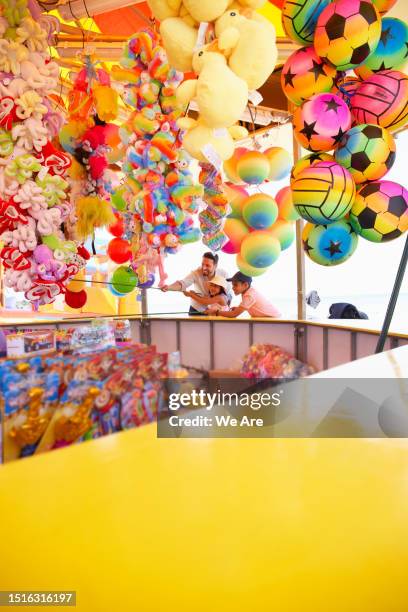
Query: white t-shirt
x,y
200,285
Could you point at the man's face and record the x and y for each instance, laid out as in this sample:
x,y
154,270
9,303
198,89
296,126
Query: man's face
x,y
207,267
238,287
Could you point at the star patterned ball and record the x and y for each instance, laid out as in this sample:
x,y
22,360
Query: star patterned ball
x,y
306,74
329,245
392,50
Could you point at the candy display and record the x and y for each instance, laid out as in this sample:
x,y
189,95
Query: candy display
x,y
380,211
323,193
329,245
37,257
382,99
321,121
367,151
54,401
347,32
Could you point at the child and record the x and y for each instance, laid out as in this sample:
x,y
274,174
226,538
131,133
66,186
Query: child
x,y
217,301
252,301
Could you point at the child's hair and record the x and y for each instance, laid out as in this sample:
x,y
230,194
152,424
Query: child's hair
x,y
209,255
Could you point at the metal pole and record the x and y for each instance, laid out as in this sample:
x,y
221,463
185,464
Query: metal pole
x,y
393,299
300,254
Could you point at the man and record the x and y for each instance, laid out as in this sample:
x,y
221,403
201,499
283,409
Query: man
x,y
251,300
199,278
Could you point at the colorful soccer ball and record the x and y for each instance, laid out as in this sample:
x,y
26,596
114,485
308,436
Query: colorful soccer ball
x,y
347,32
383,6
284,200
260,211
306,74
260,249
367,151
320,122
380,211
323,193
299,18
329,245
280,163
309,160
382,99
392,50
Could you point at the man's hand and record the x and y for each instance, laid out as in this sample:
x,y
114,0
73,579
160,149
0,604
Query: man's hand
x,y
164,288
187,293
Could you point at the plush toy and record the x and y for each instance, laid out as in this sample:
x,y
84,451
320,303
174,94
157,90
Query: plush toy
x,y
200,136
221,96
249,45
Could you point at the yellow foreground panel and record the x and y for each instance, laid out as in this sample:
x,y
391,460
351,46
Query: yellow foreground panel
x,y
133,523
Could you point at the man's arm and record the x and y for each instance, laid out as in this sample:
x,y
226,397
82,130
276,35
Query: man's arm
x,y
180,285
205,300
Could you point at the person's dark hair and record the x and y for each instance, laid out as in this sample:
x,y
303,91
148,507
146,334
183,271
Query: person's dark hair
x,y
211,256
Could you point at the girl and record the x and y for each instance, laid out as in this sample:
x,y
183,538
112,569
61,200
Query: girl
x,y
217,301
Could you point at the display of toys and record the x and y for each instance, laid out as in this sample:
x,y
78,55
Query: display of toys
x,y
367,151
391,51
380,211
382,99
255,167
323,193
329,245
299,19
30,343
122,331
321,121
347,32
306,74
309,160
271,361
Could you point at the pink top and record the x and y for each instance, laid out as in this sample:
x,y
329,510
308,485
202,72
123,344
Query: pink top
x,y
257,305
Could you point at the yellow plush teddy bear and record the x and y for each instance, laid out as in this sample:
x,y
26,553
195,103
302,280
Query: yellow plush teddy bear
x,y
180,20
200,137
249,44
220,94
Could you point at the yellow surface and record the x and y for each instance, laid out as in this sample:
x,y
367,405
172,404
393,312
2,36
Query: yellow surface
x,y
274,15
133,523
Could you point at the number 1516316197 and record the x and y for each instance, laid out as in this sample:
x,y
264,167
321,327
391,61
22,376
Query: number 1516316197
x,y
37,598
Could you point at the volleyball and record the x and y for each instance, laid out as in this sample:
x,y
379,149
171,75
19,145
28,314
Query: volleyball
x,y
309,160
299,18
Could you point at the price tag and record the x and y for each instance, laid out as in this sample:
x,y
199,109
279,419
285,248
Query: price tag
x,y
212,156
255,97
202,31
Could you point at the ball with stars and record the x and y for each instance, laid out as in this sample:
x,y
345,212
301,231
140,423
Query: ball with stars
x,y
392,50
306,74
329,245
320,123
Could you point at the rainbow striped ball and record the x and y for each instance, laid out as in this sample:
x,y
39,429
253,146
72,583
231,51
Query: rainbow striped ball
x,y
329,245
380,211
284,200
323,193
321,121
245,268
230,165
306,74
382,99
391,52
347,32
235,230
260,211
260,249
284,232
253,168
299,18
280,163
236,195
307,161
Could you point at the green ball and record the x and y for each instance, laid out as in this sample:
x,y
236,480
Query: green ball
x,y
260,249
329,245
124,280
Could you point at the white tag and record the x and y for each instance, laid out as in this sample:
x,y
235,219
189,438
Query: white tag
x,y
201,202
220,132
43,173
211,154
255,97
202,31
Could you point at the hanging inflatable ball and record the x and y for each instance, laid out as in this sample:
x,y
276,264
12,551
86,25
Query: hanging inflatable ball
x,y
391,52
253,168
260,249
235,230
260,211
329,245
306,74
286,209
